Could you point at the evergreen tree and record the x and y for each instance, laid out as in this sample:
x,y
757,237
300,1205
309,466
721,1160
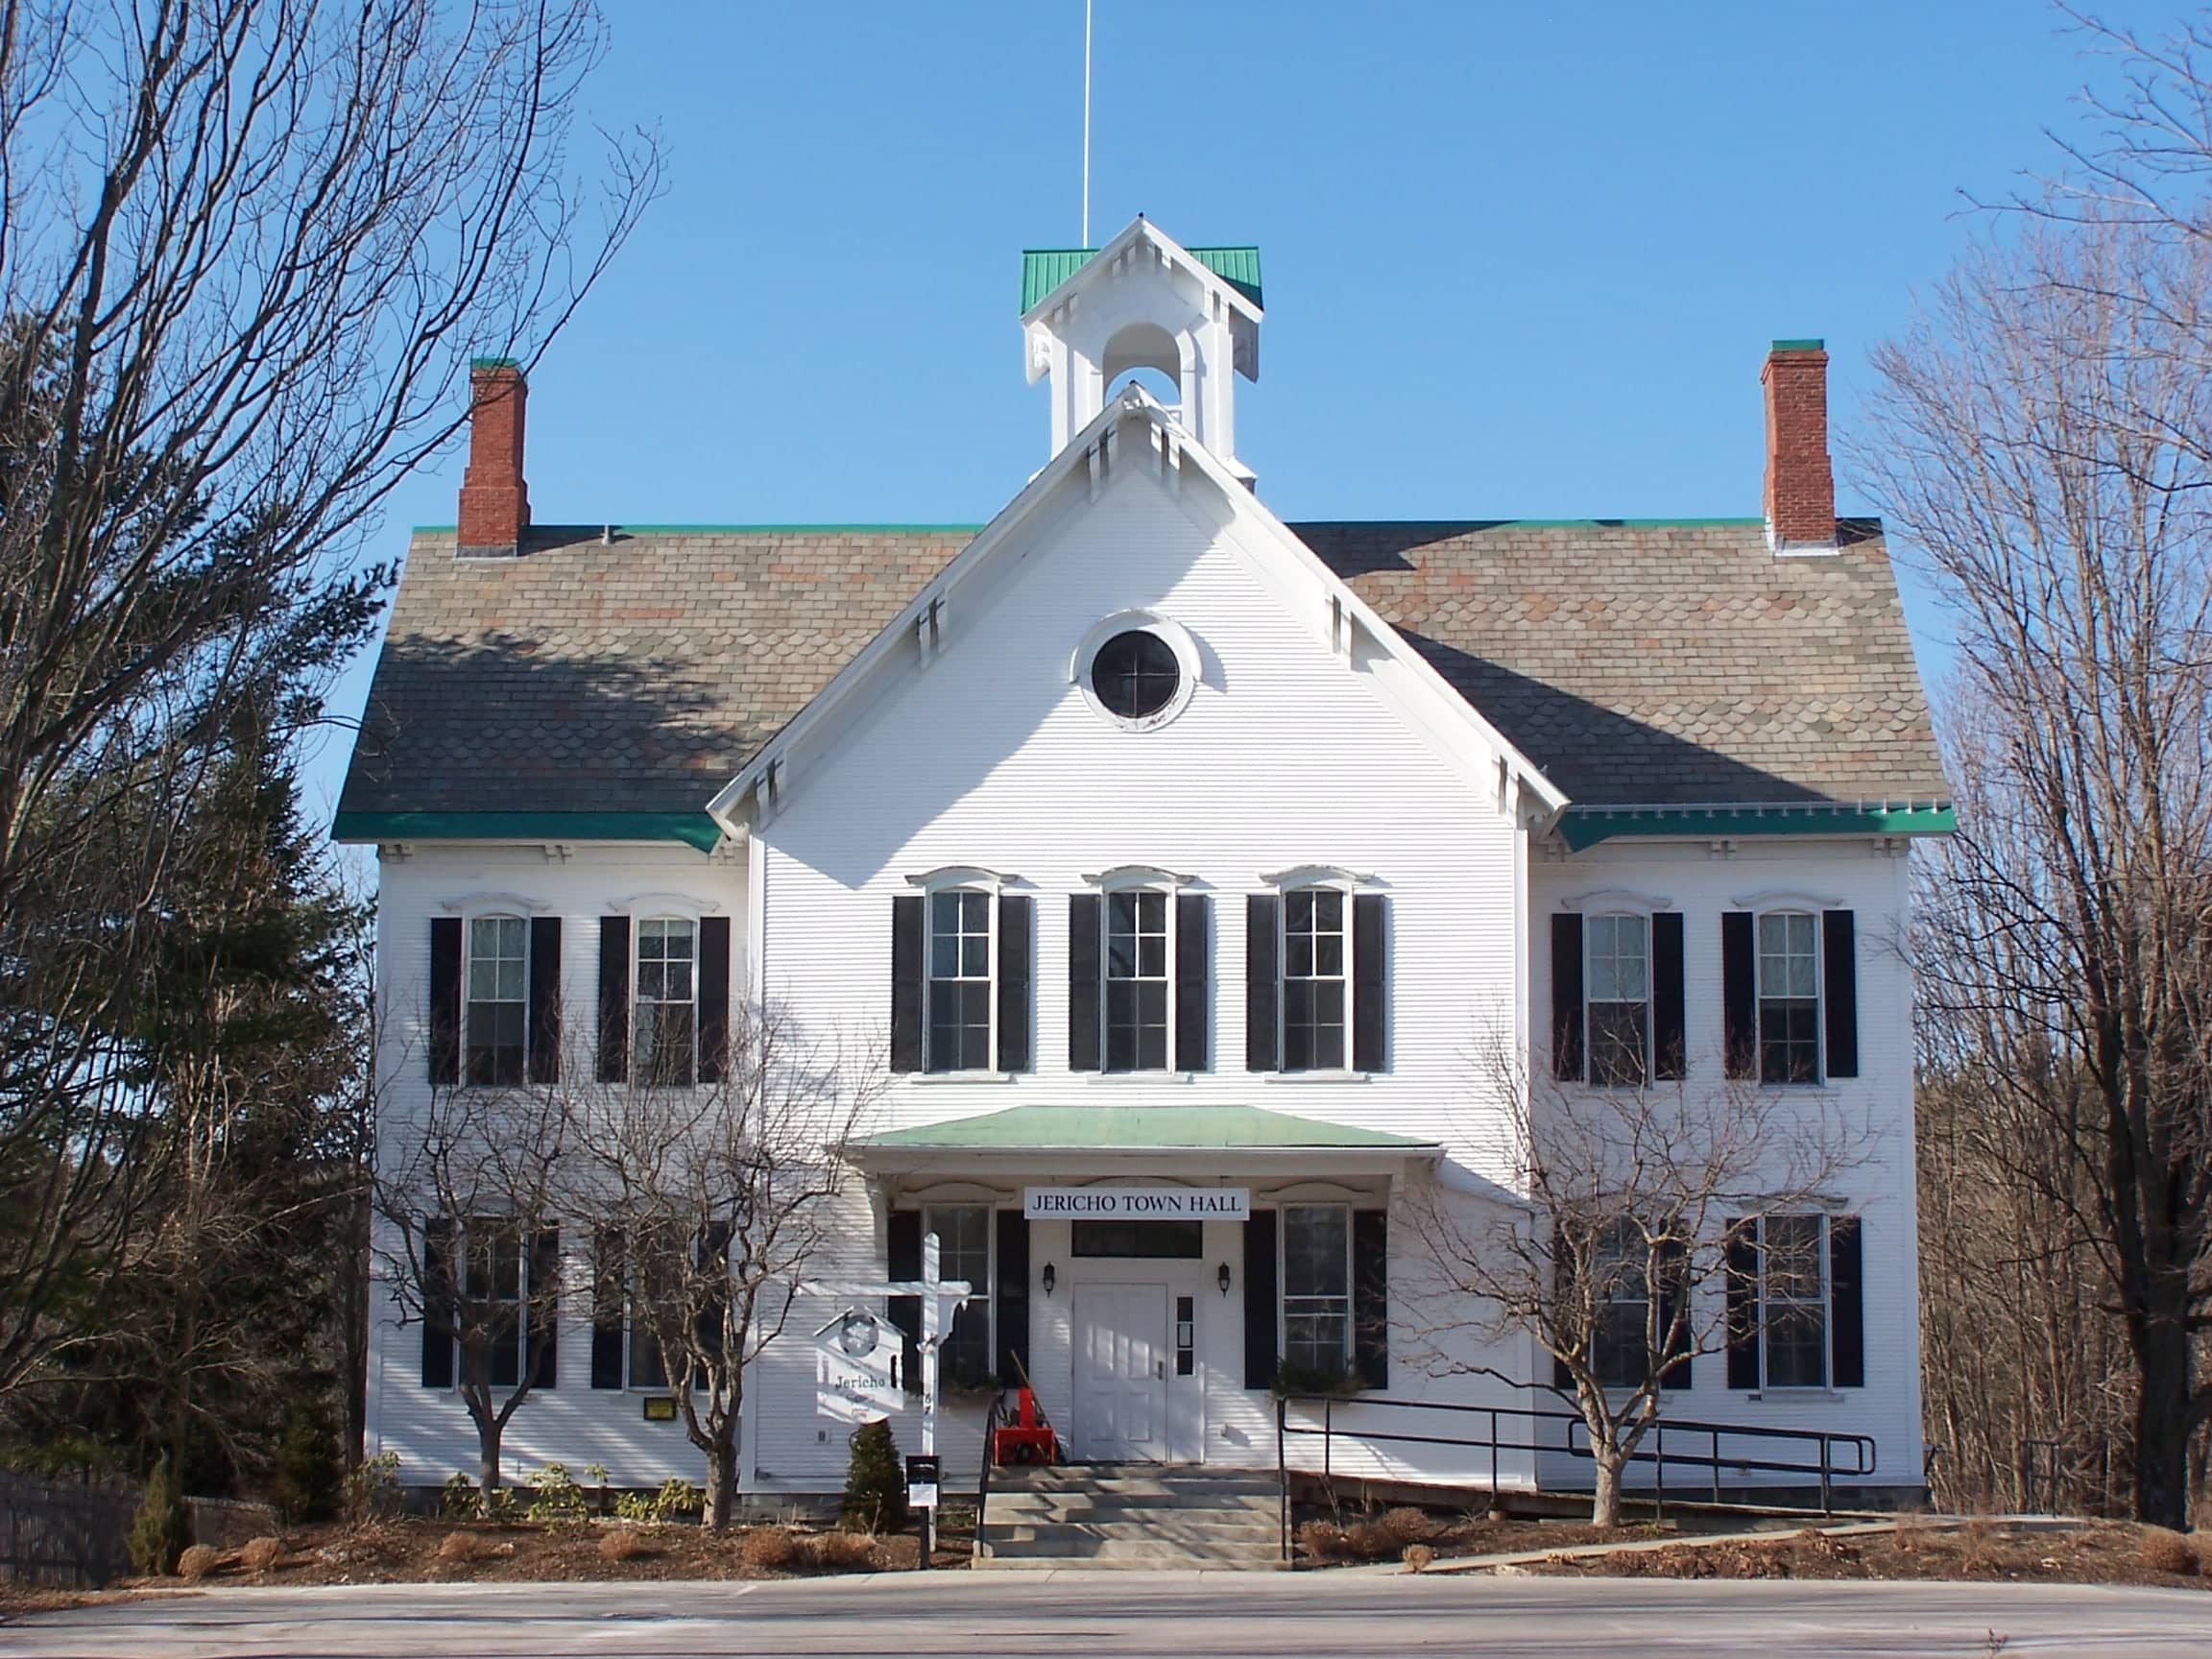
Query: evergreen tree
x,y
876,1482
162,1529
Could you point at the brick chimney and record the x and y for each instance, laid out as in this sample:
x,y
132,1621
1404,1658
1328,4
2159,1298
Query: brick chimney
x,y
495,501
1800,484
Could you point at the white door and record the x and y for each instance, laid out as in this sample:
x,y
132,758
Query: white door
x,y
1121,1360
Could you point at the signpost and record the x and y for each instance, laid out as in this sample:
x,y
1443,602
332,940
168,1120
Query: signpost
x,y
856,1361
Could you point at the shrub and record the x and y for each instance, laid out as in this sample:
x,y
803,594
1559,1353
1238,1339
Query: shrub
x,y
1408,1525
875,1482
1371,1541
774,1549
196,1562
2167,1552
163,1526
1323,1540
309,1481
502,1505
457,1499
461,1549
1417,1556
261,1554
372,1490
845,1551
554,1497
678,1499
624,1544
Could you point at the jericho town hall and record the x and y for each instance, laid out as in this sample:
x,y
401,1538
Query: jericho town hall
x,y
1173,854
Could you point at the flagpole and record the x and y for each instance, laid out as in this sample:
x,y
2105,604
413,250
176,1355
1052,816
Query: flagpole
x,y
1086,242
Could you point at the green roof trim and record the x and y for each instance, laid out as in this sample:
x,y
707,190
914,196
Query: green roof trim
x,y
692,828
493,363
1141,1128
1045,269
1800,346
1584,826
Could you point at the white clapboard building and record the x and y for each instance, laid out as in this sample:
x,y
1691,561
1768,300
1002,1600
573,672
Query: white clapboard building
x,y
1180,866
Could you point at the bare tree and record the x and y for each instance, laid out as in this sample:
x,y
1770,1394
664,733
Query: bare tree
x,y
247,251
1629,1204
714,1199
471,1197
2040,438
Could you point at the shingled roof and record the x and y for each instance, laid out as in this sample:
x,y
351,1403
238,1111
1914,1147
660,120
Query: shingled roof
x,y
1637,663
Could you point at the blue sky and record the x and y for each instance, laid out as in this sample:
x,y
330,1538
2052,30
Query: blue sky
x,y
1520,261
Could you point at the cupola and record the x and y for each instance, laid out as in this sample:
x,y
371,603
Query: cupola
x,y
1090,316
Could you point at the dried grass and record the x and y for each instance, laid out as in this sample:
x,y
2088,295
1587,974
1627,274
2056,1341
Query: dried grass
x,y
845,1552
1371,1541
196,1562
1408,1524
461,1549
1323,1540
259,1555
2166,1552
624,1544
774,1549
1417,1556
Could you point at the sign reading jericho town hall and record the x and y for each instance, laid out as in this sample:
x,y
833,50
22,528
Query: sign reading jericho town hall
x,y
1137,1203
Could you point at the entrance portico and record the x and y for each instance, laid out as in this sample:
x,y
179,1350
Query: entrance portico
x,y
1138,1259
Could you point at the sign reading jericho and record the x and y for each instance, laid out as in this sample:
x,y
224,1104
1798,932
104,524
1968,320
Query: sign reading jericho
x,y
1137,1203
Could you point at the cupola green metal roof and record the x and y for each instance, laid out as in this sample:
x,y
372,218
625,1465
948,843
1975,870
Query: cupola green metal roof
x,y
1045,269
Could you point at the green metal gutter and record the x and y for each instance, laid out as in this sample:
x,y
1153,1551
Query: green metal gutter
x,y
1582,826
691,829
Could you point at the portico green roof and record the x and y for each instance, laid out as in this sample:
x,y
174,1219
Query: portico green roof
x,y
1140,1128
1045,269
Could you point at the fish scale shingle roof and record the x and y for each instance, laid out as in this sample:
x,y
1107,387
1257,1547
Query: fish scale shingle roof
x,y
1636,664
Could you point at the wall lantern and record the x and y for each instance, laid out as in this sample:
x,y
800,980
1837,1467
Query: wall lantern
x,y
1221,1278
1051,1278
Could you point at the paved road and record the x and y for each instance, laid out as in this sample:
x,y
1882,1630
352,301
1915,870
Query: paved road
x,y
1077,1615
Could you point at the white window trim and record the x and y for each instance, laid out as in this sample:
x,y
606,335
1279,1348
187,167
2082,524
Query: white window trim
x,y
1819,1077
1827,1383
988,1072
988,1290
1283,1279
1172,633
1589,1028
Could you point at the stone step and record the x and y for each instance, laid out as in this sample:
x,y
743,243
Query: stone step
x,y
1173,1532
1110,1504
1145,1485
1061,1563
1157,1552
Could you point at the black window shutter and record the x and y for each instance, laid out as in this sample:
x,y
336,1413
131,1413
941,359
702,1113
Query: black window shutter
x,y
1260,1302
1083,909
902,1259
1738,999
1669,1041
1567,996
712,1323
1672,1264
1562,1264
545,1307
1371,1297
437,1290
1370,982
1839,984
713,998
608,1307
1846,1303
1011,1297
906,951
544,1010
1193,958
1742,1306
613,998
1262,1040
445,1000
1016,917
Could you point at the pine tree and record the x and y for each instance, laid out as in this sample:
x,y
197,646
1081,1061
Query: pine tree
x,y
162,1528
876,1482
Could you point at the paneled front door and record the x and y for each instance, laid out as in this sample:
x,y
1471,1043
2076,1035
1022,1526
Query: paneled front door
x,y
1121,1360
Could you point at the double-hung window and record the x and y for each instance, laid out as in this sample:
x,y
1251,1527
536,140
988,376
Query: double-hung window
x,y
493,1286
496,1025
1137,980
1318,1289
1620,1270
1794,1300
1315,961
664,1042
959,989
1789,997
964,1233
1620,999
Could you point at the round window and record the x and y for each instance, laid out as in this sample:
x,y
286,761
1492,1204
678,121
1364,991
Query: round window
x,y
1135,675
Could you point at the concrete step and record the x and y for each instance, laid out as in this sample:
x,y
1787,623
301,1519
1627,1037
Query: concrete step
x,y
1140,1486
1172,1532
1157,1552
1131,1515
1061,1563
1060,1505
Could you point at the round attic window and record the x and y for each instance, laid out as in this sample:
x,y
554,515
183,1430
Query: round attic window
x,y
1137,669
